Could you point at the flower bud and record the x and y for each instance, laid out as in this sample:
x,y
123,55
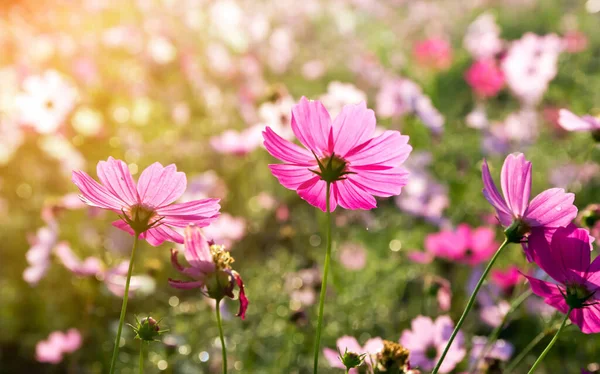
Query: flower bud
x,y
352,360
147,329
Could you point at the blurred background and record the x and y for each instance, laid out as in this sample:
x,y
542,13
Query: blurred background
x,y
194,82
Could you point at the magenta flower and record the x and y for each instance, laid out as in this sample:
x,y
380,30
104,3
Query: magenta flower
x,y
549,210
485,78
465,245
506,279
427,340
350,344
58,343
566,259
433,53
343,154
210,269
147,208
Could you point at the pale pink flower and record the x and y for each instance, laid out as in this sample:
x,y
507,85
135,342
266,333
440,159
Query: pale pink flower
x,y
343,154
116,277
339,95
549,210
353,256
485,78
91,266
465,245
570,122
58,343
147,206
426,341
500,350
226,230
482,39
208,263
530,64
494,313
38,255
46,102
575,42
350,344
433,53
238,143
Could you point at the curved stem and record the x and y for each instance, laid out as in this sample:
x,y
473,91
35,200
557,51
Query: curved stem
x,y
554,339
142,343
113,361
494,335
223,349
324,282
513,365
469,306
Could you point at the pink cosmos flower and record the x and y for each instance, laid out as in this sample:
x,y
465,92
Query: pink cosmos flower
x,y
343,154
350,344
500,350
426,342
434,53
91,266
575,41
570,122
146,208
210,267
38,255
482,39
115,278
549,210
238,143
506,279
339,95
353,256
485,78
58,343
226,229
566,259
46,102
465,245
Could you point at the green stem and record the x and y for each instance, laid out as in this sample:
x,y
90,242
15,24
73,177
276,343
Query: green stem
x,y
469,306
324,282
494,335
141,357
113,362
223,349
513,365
554,339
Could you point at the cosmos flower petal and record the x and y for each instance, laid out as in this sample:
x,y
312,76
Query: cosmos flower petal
x,y
198,212
95,194
185,285
540,252
242,296
491,194
570,122
333,358
353,197
549,292
116,177
197,250
516,183
383,183
349,343
314,192
159,186
552,208
285,150
571,248
161,233
311,124
353,126
388,149
588,319
292,176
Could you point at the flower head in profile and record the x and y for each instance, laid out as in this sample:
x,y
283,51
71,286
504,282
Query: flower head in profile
x,y
58,343
147,208
349,344
570,122
549,210
343,154
210,268
464,245
427,340
566,259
